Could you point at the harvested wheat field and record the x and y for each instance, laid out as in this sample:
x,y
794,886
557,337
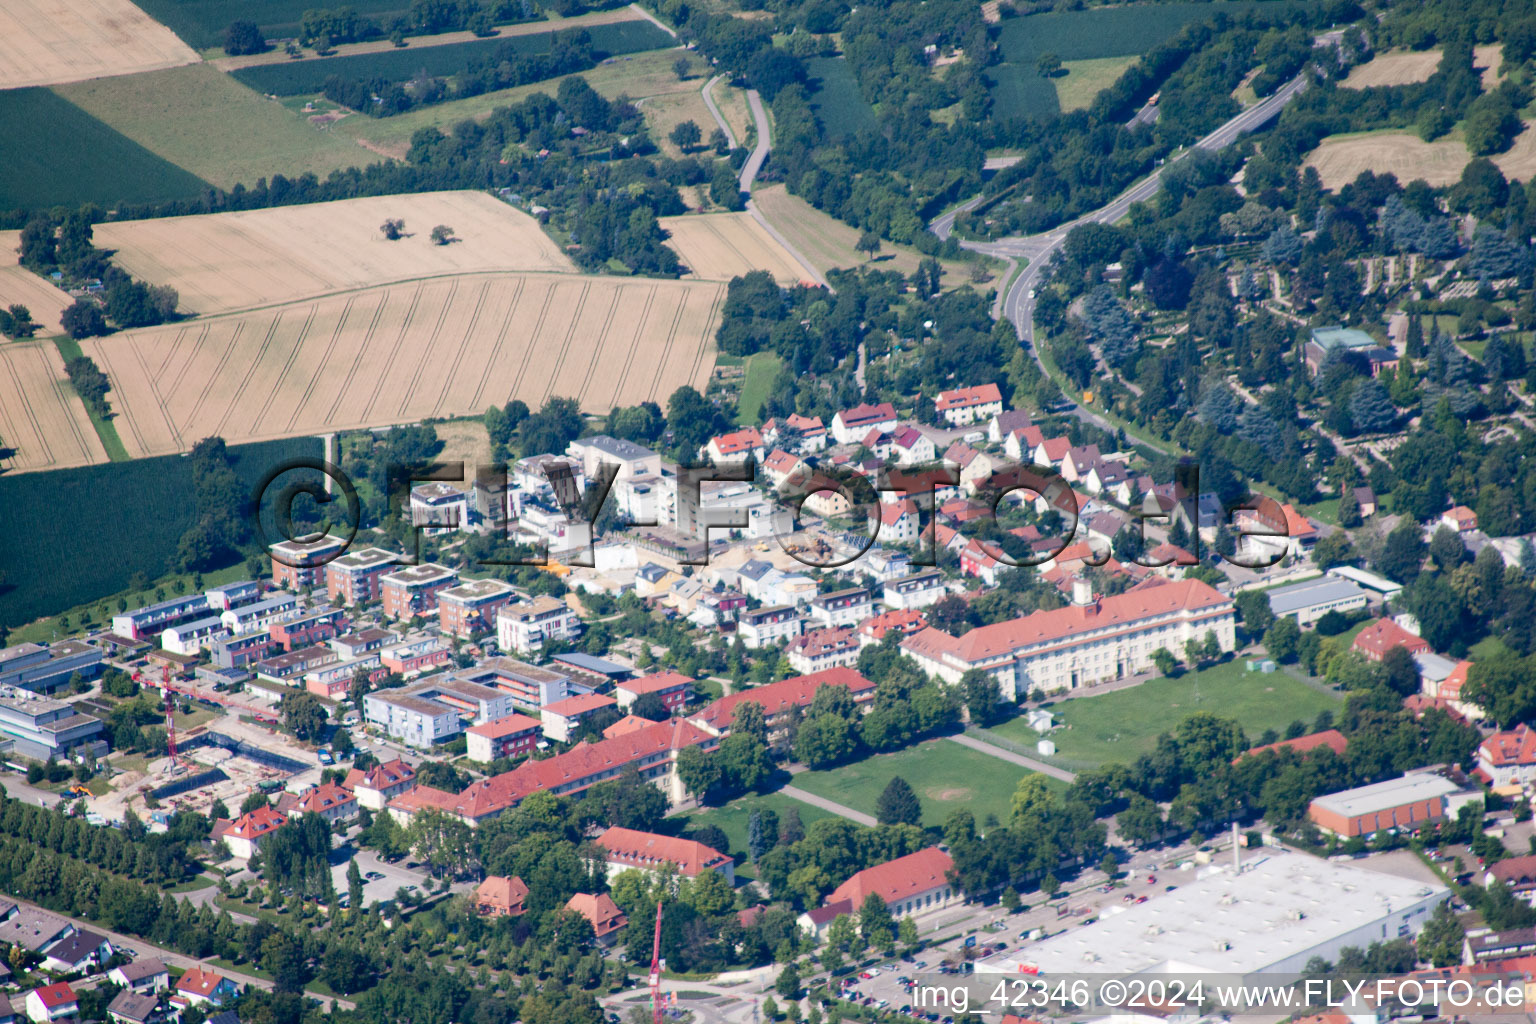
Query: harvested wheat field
x,y
1487,60
438,347
1339,160
46,42
720,246
20,285
42,422
1400,67
228,261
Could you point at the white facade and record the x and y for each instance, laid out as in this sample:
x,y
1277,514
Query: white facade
x,y
918,590
527,626
193,637
767,626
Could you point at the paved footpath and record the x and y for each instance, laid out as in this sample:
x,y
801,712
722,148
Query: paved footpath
x,y
982,747
827,805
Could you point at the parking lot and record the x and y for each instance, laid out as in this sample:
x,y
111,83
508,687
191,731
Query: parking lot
x,y
392,876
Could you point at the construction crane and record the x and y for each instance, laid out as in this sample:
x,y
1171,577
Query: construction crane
x,y
656,970
170,716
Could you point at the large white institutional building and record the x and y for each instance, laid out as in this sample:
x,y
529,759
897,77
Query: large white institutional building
x,y
1089,641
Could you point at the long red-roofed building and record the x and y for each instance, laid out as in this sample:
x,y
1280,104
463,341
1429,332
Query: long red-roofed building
x,y
652,751
1375,640
627,848
1089,641
1330,738
908,885
778,698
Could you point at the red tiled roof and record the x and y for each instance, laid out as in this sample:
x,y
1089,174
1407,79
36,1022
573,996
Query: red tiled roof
x,y
776,698
424,798
257,823
1330,738
509,726
1156,596
56,995
1512,747
960,398
820,641
658,683
895,880
890,514
906,620
738,441
579,704
325,798
866,413
649,850
600,910
1056,448
199,981
502,892
807,425
780,461
627,724
1375,640
383,776
1450,686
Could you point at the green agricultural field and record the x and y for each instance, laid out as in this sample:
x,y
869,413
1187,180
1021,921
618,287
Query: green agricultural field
x,y
836,99
1122,31
307,76
201,23
732,818
57,154
76,536
945,776
204,121
1084,79
1123,725
762,370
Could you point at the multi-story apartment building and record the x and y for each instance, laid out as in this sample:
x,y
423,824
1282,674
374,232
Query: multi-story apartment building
x,y
232,595
824,648
413,590
149,622
778,700
526,626
242,651
414,656
763,626
964,406
673,688
46,729
46,667
470,607
842,607
315,626
192,637
261,614
531,687
1090,641
919,590
297,565
353,579
505,737
435,711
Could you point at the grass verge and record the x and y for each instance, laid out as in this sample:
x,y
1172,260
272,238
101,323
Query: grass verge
x,y
69,348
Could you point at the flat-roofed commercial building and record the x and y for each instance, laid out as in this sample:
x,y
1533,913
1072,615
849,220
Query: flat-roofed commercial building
x,y
1409,803
1310,600
42,728
1271,917
44,668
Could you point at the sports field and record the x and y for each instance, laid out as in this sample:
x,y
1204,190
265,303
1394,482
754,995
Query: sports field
x,y
19,285
398,353
1123,725
42,422
211,125
228,261
945,776
720,246
44,42
58,155
1340,159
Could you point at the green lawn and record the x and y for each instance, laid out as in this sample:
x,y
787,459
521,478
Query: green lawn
x,y
69,349
1123,725
732,819
1085,79
945,776
762,370
206,122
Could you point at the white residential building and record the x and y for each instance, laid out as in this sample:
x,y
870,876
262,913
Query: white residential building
x,y
527,626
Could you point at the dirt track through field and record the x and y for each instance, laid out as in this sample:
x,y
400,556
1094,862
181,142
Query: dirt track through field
x,y
48,42
41,418
403,352
224,262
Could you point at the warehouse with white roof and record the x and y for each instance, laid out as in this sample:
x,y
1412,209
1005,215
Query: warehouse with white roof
x,y
1275,914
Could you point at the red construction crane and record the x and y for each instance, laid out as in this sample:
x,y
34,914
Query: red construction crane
x,y
656,970
170,716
